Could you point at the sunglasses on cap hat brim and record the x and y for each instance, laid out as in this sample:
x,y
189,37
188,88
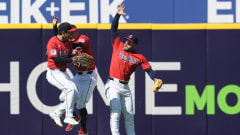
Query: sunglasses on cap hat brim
x,y
72,30
129,41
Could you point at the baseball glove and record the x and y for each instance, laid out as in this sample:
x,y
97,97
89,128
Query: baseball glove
x,y
157,85
83,60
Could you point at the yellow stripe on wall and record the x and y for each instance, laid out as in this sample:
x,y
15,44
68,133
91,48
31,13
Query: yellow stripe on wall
x,y
21,26
179,26
128,26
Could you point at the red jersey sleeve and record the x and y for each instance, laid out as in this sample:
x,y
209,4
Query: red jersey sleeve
x,y
70,49
52,49
144,64
87,45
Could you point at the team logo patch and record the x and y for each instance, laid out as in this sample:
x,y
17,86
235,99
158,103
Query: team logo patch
x,y
81,40
53,52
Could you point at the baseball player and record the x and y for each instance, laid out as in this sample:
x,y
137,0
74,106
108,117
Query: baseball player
x,y
85,78
59,50
125,60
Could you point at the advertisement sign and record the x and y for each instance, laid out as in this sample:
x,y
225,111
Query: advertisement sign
x,y
103,11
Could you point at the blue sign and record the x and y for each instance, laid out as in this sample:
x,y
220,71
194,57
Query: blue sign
x,y
138,11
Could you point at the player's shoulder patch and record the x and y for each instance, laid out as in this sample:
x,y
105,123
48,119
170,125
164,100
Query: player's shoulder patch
x,y
53,52
81,40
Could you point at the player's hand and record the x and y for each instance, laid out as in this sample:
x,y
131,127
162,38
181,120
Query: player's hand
x,y
76,51
55,20
121,9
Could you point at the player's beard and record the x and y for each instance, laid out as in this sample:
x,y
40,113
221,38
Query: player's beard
x,y
127,49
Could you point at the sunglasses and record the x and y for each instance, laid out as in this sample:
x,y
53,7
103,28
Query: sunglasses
x,y
129,42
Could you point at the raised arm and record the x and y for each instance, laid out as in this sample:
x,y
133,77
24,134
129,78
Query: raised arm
x,y
55,22
115,21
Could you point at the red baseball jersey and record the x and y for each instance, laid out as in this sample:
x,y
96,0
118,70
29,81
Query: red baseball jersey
x,y
123,63
56,48
84,43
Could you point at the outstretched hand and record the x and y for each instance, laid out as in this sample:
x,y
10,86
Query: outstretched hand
x,y
55,20
121,9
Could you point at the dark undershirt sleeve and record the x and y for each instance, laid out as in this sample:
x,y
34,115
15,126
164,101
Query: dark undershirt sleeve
x,y
55,30
151,73
114,27
62,60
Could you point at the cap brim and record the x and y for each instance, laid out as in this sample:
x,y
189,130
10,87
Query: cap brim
x,y
128,39
71,30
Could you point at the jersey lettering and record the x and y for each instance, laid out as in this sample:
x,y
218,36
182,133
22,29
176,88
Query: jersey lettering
x,y
127,59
